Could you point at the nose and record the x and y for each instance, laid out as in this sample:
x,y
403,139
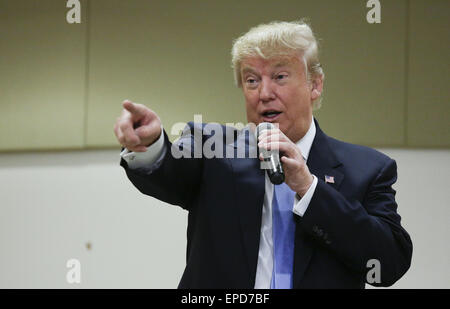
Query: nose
x,y
266,93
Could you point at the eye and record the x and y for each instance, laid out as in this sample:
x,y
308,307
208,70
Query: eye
x,y
281,76
251,81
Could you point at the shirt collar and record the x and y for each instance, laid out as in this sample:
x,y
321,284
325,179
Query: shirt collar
x,y
305,143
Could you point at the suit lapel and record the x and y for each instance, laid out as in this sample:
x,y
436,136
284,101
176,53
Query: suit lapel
x,y
321,161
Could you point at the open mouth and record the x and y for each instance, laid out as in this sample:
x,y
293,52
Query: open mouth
x,y
270,115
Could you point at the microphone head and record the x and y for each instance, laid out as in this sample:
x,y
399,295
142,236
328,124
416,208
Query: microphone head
x,y
259,130
262,127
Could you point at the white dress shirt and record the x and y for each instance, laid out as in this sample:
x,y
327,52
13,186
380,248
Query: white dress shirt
x,y
265,256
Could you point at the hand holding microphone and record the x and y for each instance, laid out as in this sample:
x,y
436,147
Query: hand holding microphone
x,y
271,157
275,148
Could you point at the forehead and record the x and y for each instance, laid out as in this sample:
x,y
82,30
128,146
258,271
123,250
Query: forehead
x,y
257,64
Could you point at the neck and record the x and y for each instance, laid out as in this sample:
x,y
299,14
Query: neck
x,y
301,132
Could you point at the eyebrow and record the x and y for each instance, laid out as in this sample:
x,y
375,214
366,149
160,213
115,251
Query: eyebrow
x,y
248,70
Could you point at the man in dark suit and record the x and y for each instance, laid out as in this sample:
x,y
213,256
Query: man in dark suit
x,y
334,215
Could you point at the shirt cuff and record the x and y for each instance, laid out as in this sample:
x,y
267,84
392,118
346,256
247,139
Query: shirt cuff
x,y
301,205
154,152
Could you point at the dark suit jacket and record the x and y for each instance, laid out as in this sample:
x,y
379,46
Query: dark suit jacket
x,y
347,223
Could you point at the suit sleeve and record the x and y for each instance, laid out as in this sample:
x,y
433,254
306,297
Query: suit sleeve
x,y
175,177
358,232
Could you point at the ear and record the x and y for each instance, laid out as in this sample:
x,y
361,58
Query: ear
x,y
317,87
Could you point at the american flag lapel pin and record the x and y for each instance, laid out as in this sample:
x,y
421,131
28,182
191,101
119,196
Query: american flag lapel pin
x,y
329,179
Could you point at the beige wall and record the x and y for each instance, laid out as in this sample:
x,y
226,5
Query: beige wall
x,y
61,85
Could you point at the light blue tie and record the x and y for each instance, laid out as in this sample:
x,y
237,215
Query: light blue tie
x,y
283,235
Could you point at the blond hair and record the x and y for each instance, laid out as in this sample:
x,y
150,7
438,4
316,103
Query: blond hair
x,y
278,39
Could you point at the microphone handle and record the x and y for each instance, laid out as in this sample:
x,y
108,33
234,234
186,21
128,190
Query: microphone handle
x,y
275,173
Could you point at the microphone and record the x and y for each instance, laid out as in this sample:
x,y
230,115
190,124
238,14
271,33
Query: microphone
x,y
271,158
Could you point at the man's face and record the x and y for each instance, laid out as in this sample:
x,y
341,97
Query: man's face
x,y
276,90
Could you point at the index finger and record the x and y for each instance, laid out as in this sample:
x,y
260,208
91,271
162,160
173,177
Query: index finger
x,y
134,108
273,134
